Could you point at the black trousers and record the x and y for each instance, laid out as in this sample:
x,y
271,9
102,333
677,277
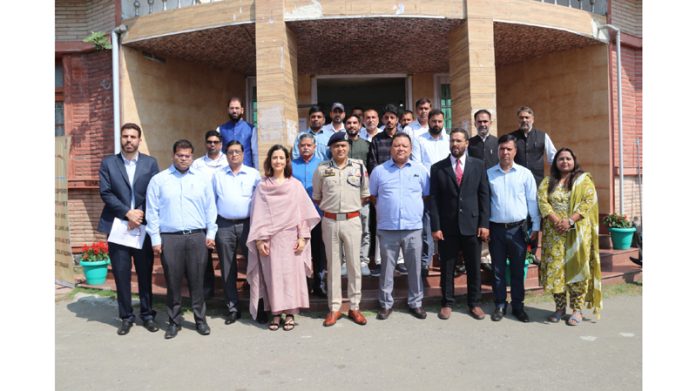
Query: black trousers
x,y
470,246
508,243
231,236
318,257
184,255
121,268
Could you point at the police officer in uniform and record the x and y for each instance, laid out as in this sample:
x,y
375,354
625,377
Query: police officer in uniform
x,y
340,188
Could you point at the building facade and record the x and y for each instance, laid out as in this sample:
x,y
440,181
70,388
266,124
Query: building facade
x,y
180,61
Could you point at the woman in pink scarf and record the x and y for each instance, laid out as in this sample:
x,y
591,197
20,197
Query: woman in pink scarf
x,y
282,216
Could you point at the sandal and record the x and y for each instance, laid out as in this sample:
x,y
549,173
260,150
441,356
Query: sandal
x,y
556,316
575,319
275,323
289,323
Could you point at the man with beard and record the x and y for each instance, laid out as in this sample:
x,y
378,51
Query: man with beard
x,y
212,161
484,145
406,118
181,215
531,144
371,121
338,114
432,147
238,129
320,135
359,149
123,180
399,188
460,210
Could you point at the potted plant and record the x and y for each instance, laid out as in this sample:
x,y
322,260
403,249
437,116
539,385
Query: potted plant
x,y
95,261
621,230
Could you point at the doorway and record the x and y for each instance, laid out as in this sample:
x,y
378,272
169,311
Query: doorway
x,y
364,91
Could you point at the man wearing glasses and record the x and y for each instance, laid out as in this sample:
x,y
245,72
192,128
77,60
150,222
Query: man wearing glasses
x,y
212,161
234,187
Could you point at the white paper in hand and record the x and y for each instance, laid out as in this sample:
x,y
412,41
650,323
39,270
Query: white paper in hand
x,y
120,234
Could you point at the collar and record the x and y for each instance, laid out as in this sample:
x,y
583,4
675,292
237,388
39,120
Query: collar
x,y
453,160
332,163
242,170
173,170
393,164
135,158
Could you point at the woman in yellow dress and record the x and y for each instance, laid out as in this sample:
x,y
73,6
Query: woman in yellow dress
x,y
570,247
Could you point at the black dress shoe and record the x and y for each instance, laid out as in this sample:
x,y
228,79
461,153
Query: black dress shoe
x,y
459,270
203,328
498,314
172,331
418,312
401,268
384,313
232,317
125,327
487,267
521,315
151,326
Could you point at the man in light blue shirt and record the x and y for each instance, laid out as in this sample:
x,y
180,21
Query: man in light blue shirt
x,y
321,136
398,187
513,196
303,170
234,187
181,216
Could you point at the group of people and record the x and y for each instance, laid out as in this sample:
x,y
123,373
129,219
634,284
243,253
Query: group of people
x,y
313,213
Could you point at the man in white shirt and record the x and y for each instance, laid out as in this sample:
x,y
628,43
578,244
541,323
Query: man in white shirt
x,y
416,128
338,114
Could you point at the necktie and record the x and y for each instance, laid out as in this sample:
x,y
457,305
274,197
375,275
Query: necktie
x,y
459,172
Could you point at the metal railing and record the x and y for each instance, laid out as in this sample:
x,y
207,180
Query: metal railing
x,y
594,6
134,8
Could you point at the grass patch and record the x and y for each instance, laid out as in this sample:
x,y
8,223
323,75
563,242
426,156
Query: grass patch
x,y
91,291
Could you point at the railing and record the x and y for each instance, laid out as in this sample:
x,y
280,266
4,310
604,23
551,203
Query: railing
x,y
134,8
594,6
131,9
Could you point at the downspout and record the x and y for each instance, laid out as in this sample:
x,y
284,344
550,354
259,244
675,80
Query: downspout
x,y
116,83
620,110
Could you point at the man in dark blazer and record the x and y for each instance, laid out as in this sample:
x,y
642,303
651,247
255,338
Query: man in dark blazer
x,y
460,209
123,180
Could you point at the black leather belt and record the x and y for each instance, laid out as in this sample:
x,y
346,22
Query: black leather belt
x,y
509,225
233,221
185,232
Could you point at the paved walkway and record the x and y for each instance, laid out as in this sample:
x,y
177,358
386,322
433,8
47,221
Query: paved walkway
x,y
399,353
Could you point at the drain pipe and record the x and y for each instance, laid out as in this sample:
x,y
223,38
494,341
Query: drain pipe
x,y
116,83
620,111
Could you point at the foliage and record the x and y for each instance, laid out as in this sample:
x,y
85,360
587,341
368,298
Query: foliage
x,y
95,252
99,40
615,220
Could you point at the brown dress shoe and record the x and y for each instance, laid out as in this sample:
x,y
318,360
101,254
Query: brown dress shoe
x,y
384,313
357,317
331,318
444,313
477,313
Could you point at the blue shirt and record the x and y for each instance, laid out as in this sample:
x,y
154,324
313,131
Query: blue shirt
x,y
399,193
233,192
513,195
243,132
304,171
322,141
177,202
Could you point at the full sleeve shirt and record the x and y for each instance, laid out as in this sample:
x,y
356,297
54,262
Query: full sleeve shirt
x,y
513,195
178,202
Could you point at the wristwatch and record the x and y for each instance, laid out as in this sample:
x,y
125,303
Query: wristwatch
x,y
571,221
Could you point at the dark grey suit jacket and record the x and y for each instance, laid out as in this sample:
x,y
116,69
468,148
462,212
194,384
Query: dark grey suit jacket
x,y
115,190
459,209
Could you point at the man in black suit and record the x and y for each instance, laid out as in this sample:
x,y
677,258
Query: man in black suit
x,y
459,184
123,180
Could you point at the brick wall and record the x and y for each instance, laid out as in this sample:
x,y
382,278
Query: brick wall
x,y
88,113
633,188
75,19
84,208
632,95
627,15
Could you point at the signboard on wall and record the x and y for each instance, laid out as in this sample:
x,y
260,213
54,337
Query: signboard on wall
x,y
64,260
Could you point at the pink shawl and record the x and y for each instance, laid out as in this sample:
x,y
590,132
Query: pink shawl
x,y
275,208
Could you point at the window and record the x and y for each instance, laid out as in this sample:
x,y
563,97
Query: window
x,y
443,98
252,114
59,109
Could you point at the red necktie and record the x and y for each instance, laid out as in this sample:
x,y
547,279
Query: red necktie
x,y
459,172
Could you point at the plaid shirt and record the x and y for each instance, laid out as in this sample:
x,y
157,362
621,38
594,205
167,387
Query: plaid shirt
x,y
380,150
